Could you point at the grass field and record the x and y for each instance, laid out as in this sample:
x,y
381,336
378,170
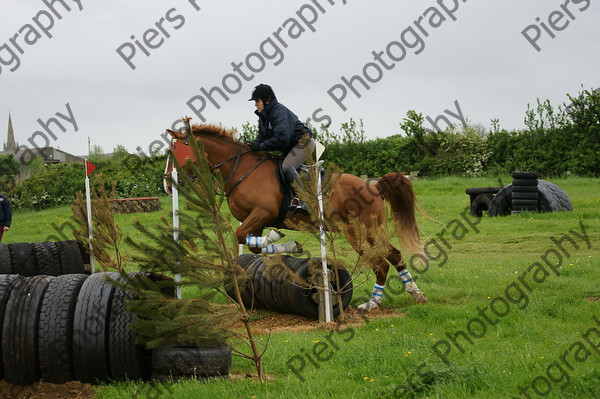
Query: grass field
x,y
510,313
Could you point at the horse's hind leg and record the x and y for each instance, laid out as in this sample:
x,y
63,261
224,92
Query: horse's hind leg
x,y
395,258
381,271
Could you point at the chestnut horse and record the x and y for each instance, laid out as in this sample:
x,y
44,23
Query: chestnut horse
x,y
254,198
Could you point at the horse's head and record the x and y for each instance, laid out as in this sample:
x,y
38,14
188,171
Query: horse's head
x,y
217,141
182,151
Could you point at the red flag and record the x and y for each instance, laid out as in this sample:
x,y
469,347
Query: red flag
x,y
89,167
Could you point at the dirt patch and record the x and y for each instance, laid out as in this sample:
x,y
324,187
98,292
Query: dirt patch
x,y
263,321
594,298
46,390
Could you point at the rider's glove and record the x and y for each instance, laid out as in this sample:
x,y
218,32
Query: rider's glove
x,y
254,146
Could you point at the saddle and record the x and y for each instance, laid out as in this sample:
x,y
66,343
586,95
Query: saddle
x,y
287,190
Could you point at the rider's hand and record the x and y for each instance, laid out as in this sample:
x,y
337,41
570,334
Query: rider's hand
x,y
254,146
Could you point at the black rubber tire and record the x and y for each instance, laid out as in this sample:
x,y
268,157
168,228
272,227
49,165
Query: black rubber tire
x,y
279,286
46,258
525,209
525,182
501,204
55,343
553,198
524,196
289,284
23,260
303,297
524,189
481,204
191,361
90,328
20,330
264,289
243,261
71,261
524,202
260,291
248,295
245,279
5,261
525,175
7,282
128,360
281,290
482,190
84,252
269,289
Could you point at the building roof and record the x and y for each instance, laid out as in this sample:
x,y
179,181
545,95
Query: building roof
x,y
10,145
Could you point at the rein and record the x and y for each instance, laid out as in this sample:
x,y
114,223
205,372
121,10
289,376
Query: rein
x,y
233,169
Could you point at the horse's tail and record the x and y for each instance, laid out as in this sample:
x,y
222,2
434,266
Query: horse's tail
x,y
398,191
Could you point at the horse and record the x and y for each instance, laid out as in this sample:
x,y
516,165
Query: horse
x,y
254,198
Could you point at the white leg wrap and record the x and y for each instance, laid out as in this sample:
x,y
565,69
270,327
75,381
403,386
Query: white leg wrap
x,y
262,242
290,247
412,288
409,283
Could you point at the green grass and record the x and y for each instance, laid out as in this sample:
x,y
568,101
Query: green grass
x,y
384,354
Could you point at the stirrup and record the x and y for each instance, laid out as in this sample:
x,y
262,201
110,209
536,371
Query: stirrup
x,y
297,206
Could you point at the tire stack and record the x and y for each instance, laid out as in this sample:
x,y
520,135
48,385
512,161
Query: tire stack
x,y
68,327
278,290
41,258
524,197
551,198
481,199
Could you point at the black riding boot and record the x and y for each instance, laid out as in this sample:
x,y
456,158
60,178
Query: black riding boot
x,y
291,174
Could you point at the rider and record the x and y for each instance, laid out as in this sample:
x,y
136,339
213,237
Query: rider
x,y
279,129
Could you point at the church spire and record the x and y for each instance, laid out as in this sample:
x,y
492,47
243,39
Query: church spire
x,y
10,145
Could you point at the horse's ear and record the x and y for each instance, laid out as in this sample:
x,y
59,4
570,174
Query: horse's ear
x,y
175,134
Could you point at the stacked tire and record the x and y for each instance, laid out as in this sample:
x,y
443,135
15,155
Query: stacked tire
x,y
481,199
41,258
551,198
524,196
284,289
62,328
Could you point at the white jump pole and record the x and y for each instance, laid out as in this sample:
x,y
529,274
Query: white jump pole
x,y
319,148
175,198
240,247
88,201
326,291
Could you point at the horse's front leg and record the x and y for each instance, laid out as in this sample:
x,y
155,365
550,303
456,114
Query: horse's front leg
x,y
249,234
257,240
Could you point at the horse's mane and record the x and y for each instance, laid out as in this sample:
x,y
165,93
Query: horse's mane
x,y
214,130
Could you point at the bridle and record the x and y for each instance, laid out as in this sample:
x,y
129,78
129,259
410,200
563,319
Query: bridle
x,y
233,168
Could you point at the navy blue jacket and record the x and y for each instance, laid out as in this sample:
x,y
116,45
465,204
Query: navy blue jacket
x,y
5,211
279,129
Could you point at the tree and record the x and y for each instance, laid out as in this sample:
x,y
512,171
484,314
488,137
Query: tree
x,y
120,152
9,168
96,152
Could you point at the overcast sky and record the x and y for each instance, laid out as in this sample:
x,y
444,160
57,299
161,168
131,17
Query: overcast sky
x,y
481,59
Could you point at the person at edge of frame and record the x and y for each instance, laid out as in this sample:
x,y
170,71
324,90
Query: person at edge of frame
x,y
5,214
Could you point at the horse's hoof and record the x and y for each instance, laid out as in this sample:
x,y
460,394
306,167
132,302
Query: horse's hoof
x,y
274,236
293,247
421,299
368,306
